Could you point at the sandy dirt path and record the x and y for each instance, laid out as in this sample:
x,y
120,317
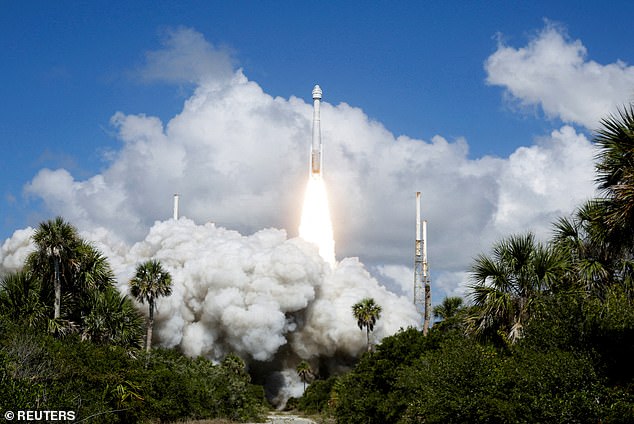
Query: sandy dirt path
x,y
288,419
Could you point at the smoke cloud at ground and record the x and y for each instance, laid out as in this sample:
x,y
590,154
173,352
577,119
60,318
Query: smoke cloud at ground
x,y
265,297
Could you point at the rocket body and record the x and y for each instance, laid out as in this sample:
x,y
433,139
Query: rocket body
x,y
315,150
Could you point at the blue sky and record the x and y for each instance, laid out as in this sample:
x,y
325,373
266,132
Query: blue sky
x,y
413,68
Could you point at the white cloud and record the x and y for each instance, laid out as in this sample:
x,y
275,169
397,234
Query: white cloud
x,y
539,182
553,72
15,250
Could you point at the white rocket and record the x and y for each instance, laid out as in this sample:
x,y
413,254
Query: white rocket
x,y
315,151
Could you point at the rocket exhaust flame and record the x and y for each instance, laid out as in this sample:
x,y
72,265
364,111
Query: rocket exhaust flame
x,y
316,226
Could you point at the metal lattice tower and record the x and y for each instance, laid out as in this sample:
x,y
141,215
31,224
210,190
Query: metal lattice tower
x,y
422,283
419,299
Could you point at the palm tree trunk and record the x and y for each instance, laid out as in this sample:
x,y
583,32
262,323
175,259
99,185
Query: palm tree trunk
x,y
150,324
367,332
427,312
58,290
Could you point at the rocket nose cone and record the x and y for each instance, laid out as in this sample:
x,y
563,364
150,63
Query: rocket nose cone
x,y
316,92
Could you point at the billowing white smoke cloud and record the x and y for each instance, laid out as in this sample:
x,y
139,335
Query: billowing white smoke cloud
x,y
264,296
239,157
552,71
254,294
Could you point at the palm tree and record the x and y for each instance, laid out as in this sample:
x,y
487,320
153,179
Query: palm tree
x,y
506,284
92,272
451,314
584,240
615,169
57,242
150,282
92,278
236,366
20,299
83,291
448,308
112,319
304,371
366,312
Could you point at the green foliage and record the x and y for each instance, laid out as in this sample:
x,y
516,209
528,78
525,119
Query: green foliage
x,y
67,287
449,307
556,385
597,257
602,328
573,366
102,315
21,299
318,396
615,169
452,313
366,312
468,382
38,371
369,392
451,385
507,284
112,319
150,281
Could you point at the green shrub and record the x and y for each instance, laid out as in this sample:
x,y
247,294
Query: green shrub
x,y
317,396
105,383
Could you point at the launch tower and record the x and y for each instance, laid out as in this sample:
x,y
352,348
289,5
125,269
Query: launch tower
x,y
422,283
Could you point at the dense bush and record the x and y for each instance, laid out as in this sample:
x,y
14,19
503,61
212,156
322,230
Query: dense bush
x,y
573,366
317,397
468,382
370,391
38,371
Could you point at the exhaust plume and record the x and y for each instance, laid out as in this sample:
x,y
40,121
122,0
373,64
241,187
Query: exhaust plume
x,y
272,300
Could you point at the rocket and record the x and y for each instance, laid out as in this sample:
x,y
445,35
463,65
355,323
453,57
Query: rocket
x,y
315,150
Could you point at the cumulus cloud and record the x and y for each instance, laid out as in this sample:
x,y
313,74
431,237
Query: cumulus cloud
x,y
538,182
15,250
239,157
553,72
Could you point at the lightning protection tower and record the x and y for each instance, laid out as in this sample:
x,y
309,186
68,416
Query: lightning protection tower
x,y
422,283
